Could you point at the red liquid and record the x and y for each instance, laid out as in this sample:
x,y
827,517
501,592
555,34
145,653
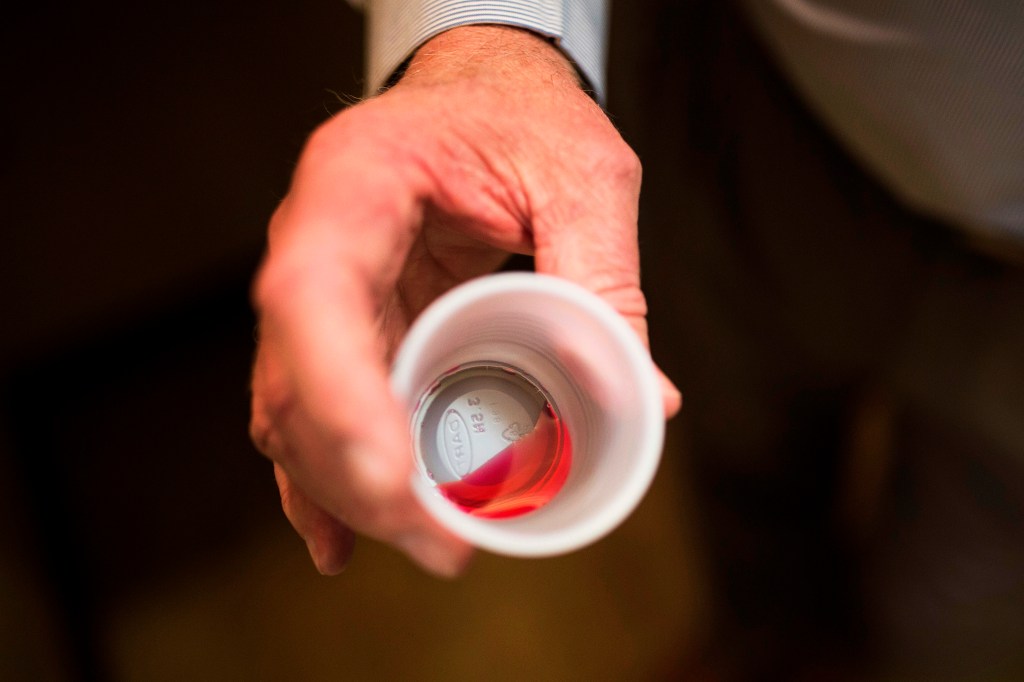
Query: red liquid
x,y
520,478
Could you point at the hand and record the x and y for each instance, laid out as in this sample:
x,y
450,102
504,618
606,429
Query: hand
x,y
487,146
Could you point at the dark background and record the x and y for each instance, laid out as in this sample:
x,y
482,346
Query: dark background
x,y
140,534
147,147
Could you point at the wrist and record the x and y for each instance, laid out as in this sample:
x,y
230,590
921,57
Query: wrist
x,y
487,53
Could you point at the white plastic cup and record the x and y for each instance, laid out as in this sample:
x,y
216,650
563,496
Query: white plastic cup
x,y
597,373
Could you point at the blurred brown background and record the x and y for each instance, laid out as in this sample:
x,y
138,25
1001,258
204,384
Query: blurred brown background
x,y
140,533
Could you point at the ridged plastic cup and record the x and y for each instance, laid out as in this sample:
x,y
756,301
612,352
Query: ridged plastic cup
x,y
595,369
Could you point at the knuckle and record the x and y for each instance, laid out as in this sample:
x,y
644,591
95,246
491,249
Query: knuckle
x,y
326,138
264,286
609,154
276,226
613,164
624,164
275,284
357,129
381,482
270,409
259,434
377,494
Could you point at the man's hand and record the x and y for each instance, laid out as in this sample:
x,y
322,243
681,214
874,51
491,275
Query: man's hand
x,y
487,146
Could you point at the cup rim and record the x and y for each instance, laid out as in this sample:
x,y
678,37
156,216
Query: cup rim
x,y
503,536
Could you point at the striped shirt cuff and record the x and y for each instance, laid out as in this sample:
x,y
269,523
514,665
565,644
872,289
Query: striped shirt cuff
x,y
396,28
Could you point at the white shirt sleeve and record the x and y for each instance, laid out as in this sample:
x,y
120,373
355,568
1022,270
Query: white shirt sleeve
x,y
397,27
928,95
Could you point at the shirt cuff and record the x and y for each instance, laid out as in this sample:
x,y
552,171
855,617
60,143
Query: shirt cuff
x,y
396,28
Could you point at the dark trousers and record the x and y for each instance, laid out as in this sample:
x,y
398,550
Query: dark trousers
x,y
853,374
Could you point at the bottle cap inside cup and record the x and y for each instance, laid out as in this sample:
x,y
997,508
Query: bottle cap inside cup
x,y
471,415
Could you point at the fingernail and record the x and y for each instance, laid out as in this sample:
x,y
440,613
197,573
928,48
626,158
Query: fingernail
x,y
432,555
